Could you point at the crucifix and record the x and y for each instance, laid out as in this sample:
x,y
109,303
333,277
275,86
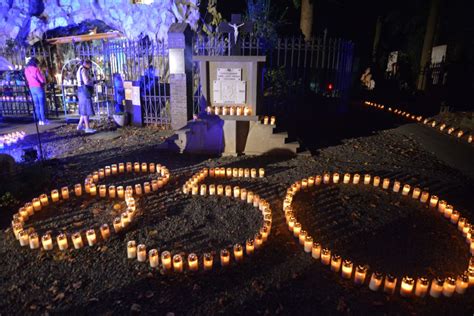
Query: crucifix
x,y
235,27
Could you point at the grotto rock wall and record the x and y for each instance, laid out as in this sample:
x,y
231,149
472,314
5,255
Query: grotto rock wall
x,y
26,21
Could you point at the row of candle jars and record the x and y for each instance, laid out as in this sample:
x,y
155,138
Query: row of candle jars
x,y
408,286
269,120
229,110
29,237
177,262
90,188
191,185
432,123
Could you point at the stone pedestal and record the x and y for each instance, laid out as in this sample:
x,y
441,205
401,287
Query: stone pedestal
x,y
178,101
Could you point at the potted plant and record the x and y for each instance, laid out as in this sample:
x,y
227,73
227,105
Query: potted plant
x,y
121,118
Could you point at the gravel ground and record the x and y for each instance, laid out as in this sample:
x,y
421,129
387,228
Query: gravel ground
x,y
384,230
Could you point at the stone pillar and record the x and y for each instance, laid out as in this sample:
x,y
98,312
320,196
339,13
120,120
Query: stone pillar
x,y
180,59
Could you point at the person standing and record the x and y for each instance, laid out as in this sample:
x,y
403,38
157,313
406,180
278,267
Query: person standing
x,y
84,93
36,82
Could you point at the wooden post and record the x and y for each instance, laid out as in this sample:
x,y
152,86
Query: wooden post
x,y
306,20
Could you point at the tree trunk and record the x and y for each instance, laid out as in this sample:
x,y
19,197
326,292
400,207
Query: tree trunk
x,y
306,20
378,31
428,43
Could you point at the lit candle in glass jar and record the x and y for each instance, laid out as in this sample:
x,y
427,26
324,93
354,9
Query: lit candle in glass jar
x,y
238,252
434,201
228,172
425,196
138,189
253,173
154,258
65,193
203,190
216,110
44,200
347,178
326,256
455,217
114,169
124,219
47,242
61,239
376,182
225,257
55,195
318,179
136,167
78,189
95,176
193,262
224,110
101,173
360,275
336,263
375,281
117,224
34,240
265,120
236,192
102,191
421,287
272,120
146,187
449,286
396,186
23,238
250,197
442,206
220,189
316,250
297,229
302,237
91,237
92,189
105,231
347,267
264,231
212,189
261,172
228,191
249,247
406,189
335,177
17,228
141,253
129,167
462,283
77,240
448,211
356,179
235,172
386,183
121,167
367,179
406,287
326,178
23,214
208,261
308,244
416,193
461,223
436,287
166,260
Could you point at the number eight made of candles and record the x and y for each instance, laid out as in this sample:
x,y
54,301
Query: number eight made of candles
x,y
455,131
194,262
407,286
28,236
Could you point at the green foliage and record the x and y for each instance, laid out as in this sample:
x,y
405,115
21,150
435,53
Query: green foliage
x,y
7,200
278,85
214,19
265,19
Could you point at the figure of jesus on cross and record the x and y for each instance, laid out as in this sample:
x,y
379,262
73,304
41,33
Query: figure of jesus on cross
x,y
233,28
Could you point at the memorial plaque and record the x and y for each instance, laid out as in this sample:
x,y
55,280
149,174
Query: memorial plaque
x,y
229,91
229,73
